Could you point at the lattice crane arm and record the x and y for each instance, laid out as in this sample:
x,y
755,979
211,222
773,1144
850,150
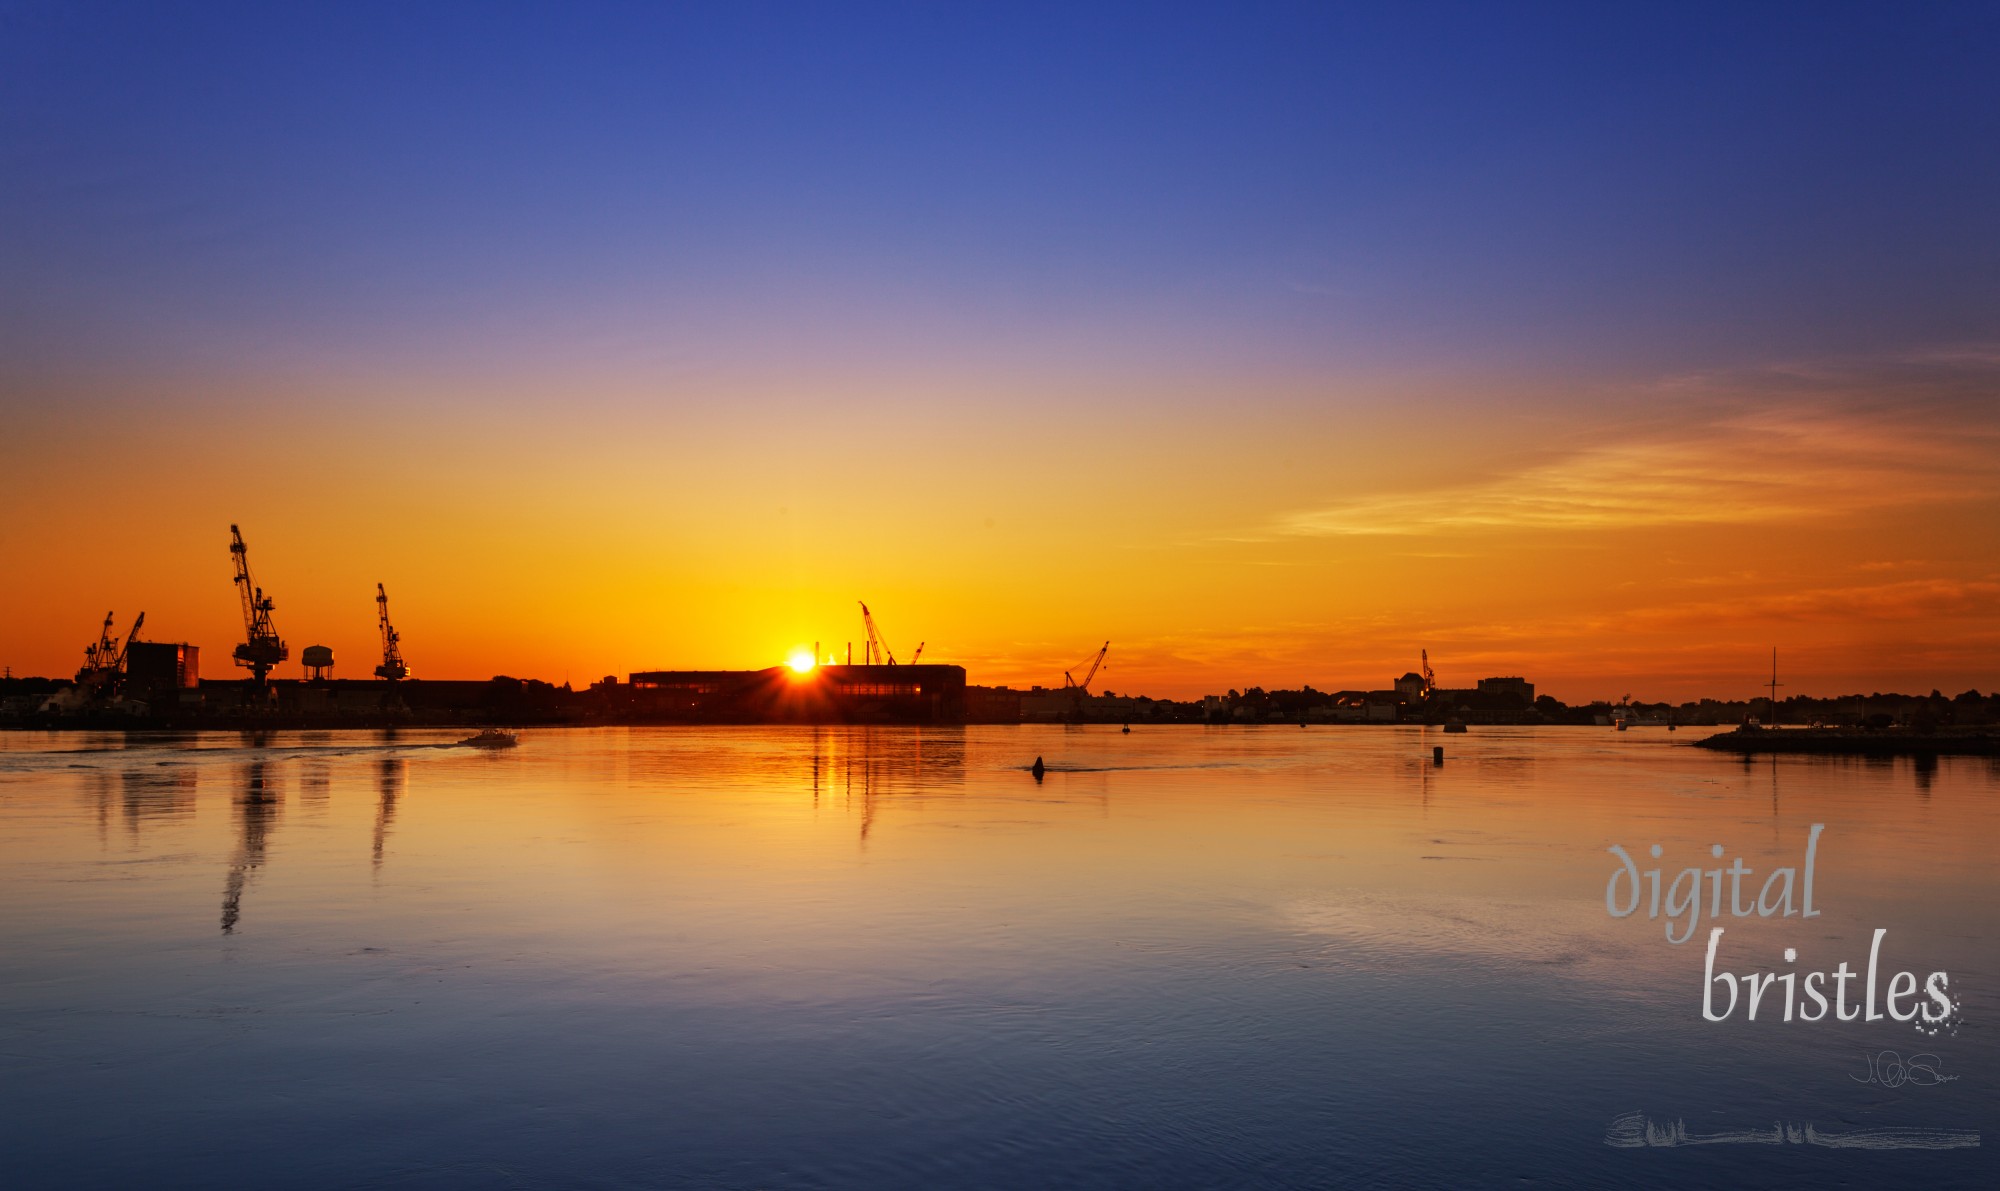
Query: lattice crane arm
x,y
262,648
96,652
876,641
131,635
239,554
393,667
1095,662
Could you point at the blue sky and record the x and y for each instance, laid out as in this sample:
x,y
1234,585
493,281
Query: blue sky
x,y
1588,189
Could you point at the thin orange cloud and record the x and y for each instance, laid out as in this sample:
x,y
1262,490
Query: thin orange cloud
x,y
1797,462
1911,600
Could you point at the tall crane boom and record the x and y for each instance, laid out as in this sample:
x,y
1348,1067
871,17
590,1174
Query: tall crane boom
x,y
131,635
1430,679
261,648
1095,662
878,645
392,667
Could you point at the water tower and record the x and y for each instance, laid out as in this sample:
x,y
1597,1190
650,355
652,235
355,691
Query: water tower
x,y
319,662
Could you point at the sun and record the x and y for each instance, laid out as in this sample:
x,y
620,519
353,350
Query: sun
x,y
801,661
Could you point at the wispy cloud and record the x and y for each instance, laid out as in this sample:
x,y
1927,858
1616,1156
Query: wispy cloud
x,y
1912,600
1782,444
1786,464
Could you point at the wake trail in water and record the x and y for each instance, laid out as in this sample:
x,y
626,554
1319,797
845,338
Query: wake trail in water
x,y
1061,768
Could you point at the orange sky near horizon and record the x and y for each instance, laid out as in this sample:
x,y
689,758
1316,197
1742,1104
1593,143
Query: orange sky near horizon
x,y
1657,540
1274,343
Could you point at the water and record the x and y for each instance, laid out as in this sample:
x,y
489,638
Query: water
x,y
884,958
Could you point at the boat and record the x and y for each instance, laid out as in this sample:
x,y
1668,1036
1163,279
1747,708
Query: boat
x,y
491,738
1454,726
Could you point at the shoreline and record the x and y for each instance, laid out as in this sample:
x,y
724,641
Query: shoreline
x,y
1856,742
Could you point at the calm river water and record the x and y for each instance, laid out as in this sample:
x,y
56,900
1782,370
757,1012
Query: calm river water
x,y
888,958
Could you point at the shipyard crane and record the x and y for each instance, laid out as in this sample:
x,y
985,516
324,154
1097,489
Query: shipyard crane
x,y
1430,679
878,645
261,649
96,653
392,667
104,661
918,654
125,648
1084,686
1079,691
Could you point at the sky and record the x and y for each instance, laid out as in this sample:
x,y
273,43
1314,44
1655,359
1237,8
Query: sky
x,y
1609,345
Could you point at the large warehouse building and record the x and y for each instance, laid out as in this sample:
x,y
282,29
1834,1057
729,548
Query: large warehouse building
x,y
825,694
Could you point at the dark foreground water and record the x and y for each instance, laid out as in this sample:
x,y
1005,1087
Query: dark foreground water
x,y
888,958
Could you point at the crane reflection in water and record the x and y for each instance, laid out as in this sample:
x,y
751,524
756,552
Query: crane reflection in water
x,y
256,813
866,766
390,774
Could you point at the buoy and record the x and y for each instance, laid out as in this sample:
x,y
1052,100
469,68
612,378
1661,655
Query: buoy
x,y
1128,729
1437,755
1038,769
